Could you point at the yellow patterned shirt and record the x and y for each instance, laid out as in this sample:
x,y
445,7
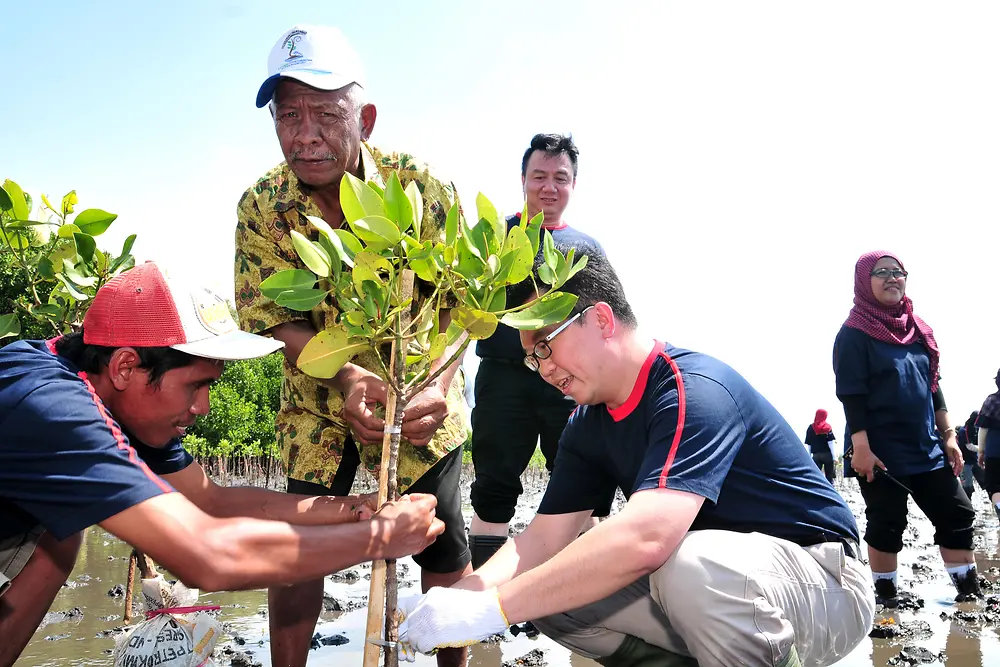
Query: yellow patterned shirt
x,y
309,426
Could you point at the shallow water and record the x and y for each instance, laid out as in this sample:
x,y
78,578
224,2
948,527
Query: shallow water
x,y
83,640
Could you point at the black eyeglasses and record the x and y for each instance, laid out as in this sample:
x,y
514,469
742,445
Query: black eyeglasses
x,y
541,350
886,273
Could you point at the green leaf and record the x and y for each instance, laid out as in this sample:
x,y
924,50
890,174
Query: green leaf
x,y
352,246
545,274
127,246
19,205
332,243
498,301
46,269
5,204
438,346
549,251
368,266
488,212
68,230
517,258
71,289
73,274
327,352
470,265
94,221
377,188
290,279
532,228
479,323
551,308
421,260
451,225
45,311
312,255
416,205
9,325
378,232
85,246
69,200
301,299
357,200
570,271
397,204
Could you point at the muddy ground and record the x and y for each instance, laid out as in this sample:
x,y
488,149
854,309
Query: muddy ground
x,y
930,628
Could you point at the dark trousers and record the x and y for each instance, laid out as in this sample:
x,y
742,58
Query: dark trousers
x,y
515,409
826,464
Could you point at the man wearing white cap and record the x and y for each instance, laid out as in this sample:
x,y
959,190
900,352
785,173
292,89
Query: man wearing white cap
x,y
92,423
315,89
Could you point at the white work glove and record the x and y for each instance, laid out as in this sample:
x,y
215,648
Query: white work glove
x,y
448,618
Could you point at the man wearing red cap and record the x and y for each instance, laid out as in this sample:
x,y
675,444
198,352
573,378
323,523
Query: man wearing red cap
x,y
326,429
92,423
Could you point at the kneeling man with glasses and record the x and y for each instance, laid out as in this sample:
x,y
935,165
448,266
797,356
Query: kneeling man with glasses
x,y
731,550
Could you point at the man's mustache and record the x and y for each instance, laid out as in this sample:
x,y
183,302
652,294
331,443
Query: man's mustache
x,y
300,155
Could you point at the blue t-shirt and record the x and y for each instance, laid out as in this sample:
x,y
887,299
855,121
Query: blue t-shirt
x,y
64,461
505,343
694,424
819,443
895,379
992,435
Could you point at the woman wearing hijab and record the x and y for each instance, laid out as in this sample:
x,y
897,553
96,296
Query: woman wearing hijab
x,y
886,362
819,435
989,444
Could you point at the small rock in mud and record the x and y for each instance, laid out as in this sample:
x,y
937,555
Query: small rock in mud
x,y
243,659
495,639
110,617
333,640
345,576
58,616
111,557
237,605
331,603
239,641
533,658
889,629
915,655
905,600
55,638
116,592
113,632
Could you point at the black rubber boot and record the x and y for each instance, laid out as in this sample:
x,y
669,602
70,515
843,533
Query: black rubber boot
x,y
483,547
636,653
967,586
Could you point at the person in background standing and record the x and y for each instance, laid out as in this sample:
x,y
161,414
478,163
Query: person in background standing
x,y
886,363
988,438
972,472
819,435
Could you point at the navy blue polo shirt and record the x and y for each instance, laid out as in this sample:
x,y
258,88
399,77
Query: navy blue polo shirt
x,y
992,435
694,424
65,463
505,343
895,381
819,443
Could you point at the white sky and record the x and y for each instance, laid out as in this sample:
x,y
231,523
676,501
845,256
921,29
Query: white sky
x,y
736,157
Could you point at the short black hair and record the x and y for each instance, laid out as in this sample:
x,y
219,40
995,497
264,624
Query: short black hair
x,y
596,282
95,358
552,144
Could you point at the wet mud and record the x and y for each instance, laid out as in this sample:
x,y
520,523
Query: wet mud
x,y
927,628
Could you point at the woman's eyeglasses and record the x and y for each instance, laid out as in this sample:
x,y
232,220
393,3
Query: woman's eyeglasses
x,y
887,273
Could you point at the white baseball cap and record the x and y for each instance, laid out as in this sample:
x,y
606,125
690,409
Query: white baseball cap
x,y
317,55
144,308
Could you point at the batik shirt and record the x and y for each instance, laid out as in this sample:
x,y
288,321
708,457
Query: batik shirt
x,y
309,426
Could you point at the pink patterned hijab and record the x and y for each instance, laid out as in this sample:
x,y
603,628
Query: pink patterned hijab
x,y
897,325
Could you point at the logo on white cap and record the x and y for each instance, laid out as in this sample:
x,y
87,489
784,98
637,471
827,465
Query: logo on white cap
x,y
295,57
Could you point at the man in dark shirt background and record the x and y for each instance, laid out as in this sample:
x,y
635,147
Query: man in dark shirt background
x,y
514,406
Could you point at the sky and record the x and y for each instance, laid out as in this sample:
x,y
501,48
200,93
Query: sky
x,y
735,158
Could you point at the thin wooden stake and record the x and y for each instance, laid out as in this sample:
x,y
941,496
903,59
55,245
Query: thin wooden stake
x,y
127,618
384,586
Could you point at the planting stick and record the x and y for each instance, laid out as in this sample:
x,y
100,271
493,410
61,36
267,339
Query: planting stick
x,y
384,585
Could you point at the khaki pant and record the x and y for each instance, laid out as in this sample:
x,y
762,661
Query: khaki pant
x,y
14,555
730,599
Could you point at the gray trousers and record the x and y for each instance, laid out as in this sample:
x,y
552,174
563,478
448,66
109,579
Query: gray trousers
x,y
729,599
